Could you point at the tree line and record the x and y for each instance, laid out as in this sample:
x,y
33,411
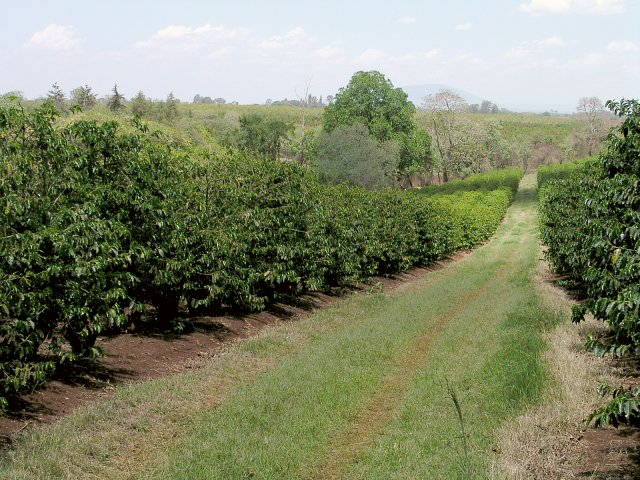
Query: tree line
x,y
368,134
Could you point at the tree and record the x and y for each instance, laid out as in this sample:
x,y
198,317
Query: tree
x,y
262,135
169,108
84,97
116,101
446,107
371,100
415,153
350,154
12,96
57,97
140,105
303,105
592,108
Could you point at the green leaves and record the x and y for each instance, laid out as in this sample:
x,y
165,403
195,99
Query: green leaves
x,y
371,100
98,222
590,222
623,408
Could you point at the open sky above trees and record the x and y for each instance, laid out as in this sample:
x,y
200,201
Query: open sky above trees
x,y
521,54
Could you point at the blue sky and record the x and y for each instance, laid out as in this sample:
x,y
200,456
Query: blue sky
x,y
534,53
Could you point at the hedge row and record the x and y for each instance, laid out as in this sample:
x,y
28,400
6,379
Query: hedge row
x,y
102,225
559,171
486,181
590,221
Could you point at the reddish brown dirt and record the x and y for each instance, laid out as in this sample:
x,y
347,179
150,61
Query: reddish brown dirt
x,y
132,357
610,453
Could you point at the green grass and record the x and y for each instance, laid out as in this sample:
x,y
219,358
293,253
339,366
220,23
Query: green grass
x,y
358,390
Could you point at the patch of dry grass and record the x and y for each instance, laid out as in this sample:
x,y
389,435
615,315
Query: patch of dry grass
x,y
544,442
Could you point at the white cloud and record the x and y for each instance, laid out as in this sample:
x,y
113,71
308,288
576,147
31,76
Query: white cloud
x,y
590,60
622,46
464,56
434,52
595,7
408,20
528,49
181,37
463,26
328,52
277,42
554,41
415,57
220,52
55,37
371,55
205,31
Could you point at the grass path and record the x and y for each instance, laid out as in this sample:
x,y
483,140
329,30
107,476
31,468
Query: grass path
x,y
359,390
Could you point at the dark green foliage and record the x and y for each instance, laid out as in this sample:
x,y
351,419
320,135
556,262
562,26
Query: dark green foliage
x,y
371,100
623,408
88,212
98,222
116,101
590,221
349,154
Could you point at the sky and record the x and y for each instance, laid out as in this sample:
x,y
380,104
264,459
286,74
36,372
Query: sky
x,y
520,54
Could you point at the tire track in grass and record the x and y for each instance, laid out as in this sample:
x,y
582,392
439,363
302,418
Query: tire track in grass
x,y
362,432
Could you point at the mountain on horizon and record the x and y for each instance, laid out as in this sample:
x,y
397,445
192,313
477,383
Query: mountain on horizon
x,y
417,93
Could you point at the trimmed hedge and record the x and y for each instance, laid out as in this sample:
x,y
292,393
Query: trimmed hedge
x,y
486,181
590,221
560,171
99,222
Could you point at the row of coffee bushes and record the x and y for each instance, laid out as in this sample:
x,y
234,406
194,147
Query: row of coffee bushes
x,y
102,224
559,171
487,181
590,222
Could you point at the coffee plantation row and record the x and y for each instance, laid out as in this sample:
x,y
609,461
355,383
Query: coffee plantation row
x,y
506,177
590,221
105,224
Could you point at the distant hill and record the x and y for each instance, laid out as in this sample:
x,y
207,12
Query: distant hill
x,y
417,93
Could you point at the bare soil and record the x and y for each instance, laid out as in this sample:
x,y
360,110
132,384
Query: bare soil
x,y
613,453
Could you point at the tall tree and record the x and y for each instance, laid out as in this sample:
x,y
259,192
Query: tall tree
x,y
170,108
303,106
116,101
262,135
57,97
371,100
446,107
140,105
84,97
591,108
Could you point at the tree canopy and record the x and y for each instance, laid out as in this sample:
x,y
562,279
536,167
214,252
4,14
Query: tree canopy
x,y
371,99
349,154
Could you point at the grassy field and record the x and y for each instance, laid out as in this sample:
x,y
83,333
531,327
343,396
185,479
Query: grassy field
x,y
363,389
